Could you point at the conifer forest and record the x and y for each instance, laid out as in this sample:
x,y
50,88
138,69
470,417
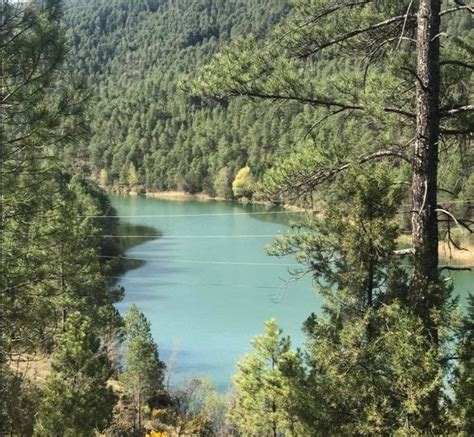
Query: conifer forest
x,y
166,164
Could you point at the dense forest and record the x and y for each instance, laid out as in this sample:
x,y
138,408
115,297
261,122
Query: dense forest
x,y
361,105
146,130
150,132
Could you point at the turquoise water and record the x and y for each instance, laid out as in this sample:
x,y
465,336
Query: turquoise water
x,y
207,286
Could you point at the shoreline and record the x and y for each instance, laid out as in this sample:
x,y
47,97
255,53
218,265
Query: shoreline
x,y
447,256
450,256
183,196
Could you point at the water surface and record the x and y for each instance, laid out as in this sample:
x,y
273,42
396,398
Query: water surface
x,y
207,286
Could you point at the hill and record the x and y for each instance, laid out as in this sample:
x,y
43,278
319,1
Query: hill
x,y
145,130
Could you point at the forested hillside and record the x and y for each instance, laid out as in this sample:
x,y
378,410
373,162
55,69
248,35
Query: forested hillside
x,y
145,130
139,57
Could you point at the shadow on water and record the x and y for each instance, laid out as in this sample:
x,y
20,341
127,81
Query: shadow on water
x,y
128,236
134,235
276,214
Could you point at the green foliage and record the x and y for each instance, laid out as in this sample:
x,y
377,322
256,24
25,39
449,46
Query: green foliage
x,y
143,371
260,401
52,250
463,375
244,183
349,82
222,184
134,57
61,264
355,61
357,385
17,409
368,366
132,178
77,399
174,140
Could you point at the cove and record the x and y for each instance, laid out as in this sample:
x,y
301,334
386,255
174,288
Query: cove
x,y
206,285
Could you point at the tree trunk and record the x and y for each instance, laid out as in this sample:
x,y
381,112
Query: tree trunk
x,y
425,163
139,408
425,290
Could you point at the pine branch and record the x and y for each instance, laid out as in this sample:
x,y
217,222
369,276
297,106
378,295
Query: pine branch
x,y
349,35
319,102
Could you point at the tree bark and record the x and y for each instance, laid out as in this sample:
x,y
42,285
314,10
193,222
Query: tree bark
x,y
425,162
425,289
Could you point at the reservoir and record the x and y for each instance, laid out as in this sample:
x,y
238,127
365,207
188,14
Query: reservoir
x,y
207,286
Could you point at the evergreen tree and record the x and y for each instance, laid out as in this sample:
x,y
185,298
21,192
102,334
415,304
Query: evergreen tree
x,y
368,367
77,399
463,375
143,371
383,47
260,404
183,142
21,400
222,186
197,408
50,263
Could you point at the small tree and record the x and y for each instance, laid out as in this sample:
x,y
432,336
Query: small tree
x,y
261,390
104,177
132,177
196,408
244,183
143,370
222,183
463,376
77,400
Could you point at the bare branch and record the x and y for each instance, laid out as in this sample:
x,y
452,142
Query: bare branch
x,y
444,211
404,25
454,268
456,9
403,252
356,32
445,112
458,63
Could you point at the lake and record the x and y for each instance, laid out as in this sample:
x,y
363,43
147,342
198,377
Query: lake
x,y
207,286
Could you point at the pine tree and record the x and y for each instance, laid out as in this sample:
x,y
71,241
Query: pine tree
x,y
393,77
394,95
143,371
36,116
368,366
77,399
222,186
259,406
